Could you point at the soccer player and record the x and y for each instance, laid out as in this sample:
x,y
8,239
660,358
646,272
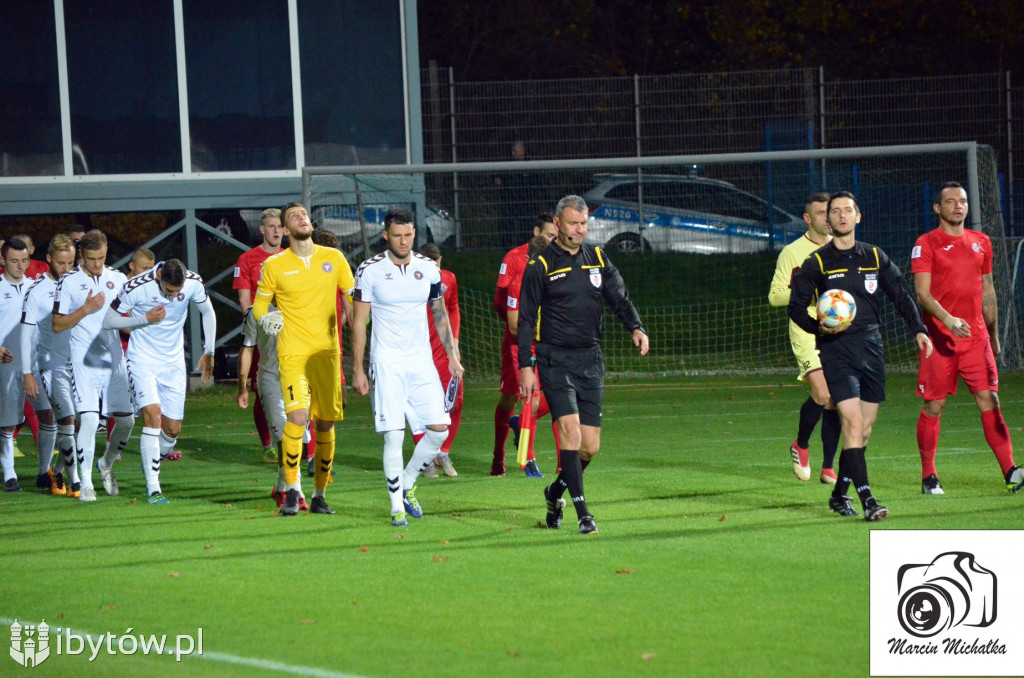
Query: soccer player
x,y
564,290
154,306
13,286
46,374
246,280
952,267
803,345
303,281
450,290
36,268
393,289
852,356
98,368
509,275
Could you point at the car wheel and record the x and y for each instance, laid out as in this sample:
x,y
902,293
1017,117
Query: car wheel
x,y
628,244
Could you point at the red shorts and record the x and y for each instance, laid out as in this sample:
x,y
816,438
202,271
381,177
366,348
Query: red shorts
x,y
509,364
937,374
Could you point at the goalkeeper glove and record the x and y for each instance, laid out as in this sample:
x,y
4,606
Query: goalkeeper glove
x,y
272,323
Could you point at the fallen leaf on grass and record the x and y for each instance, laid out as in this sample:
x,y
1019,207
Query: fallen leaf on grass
x,y
227,506
174,575
624,570
648,656
722,518
208,547
112,606
60,616
399,536
132,501
364,549
511,527
513,653
444,541
440,559
307,622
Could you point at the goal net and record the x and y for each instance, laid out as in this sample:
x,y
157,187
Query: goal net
x,y
695,238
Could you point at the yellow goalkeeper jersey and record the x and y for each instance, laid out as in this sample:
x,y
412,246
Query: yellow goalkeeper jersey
x,y
306,293
790,259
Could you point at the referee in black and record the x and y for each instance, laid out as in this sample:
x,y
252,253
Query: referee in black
x,y
562,298
852,356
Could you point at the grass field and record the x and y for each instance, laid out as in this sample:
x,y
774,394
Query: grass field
x,y
712,560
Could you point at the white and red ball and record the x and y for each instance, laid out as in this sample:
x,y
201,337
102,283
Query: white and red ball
x,y
836,308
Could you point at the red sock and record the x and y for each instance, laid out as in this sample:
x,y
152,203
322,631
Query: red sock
x,y
311,445
453,428
927,442
500,432
542,407
32,420
260,419
110,427
998,437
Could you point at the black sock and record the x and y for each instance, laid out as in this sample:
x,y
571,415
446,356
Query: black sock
x,y
810,413
831,427
859,472
571,478
584,463
843,475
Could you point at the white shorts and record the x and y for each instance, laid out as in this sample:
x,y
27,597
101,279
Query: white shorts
x,y
269,387
12,398
406,391
163,385
91,386
57,386
41,402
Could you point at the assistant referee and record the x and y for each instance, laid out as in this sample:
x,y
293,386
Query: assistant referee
x,y
562,300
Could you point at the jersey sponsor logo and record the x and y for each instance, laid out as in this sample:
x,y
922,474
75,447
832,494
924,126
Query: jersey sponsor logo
x,y
976,247
238,272
595,278
388,276
327,267
290,272
947,248
871,282
557,276
916,252
513,302
418,275
504,267
836,275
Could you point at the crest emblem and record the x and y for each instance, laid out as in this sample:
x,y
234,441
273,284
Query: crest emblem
x,y
871,283
976,248
418,275
327,267
595,278
30,645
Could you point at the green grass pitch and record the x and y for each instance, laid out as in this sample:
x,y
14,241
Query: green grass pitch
x,y
712,559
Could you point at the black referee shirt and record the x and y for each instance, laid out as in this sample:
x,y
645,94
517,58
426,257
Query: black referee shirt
x,y
560,301
862,271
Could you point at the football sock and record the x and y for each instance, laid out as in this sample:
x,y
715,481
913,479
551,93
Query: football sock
x,y
843,479
149,448
584,463
455,414
423,455
998,437
32,420
393,468
291,445
47,441
310,441
501,429
831,428
86,443
323,459
859,472
810,413
166,444
280,485
118,440
260,419
572,477
66,448
542,407
7,454
928,442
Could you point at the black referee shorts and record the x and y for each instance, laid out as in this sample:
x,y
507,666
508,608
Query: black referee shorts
x,y
854,367
572,381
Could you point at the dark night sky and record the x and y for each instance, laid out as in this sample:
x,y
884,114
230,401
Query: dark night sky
x,y
541,39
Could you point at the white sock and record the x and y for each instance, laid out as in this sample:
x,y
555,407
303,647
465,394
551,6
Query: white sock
x,y
149,448
280,485
166,444
66,447
7,454
47,441
393,467
86,443
118,439
423,455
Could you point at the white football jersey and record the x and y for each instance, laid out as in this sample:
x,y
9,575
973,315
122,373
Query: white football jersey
x,y
53,349
397,296
252,335
162,342
91,345
12,300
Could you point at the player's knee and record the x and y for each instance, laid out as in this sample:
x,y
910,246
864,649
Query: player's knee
x,y
933,408
987,400
127,421
587,454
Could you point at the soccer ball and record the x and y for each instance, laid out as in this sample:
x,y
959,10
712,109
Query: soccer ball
x,y
836,307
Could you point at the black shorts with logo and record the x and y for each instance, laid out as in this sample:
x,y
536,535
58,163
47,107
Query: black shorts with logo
x,y
854,367
572,381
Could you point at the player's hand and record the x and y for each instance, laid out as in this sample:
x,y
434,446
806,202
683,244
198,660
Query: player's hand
x,y
527,382
272,323
455,367
242,398
924,343
825,329
93,302
993,339
205,364
5,355
958,327
30,386
156,314
641,341
360,383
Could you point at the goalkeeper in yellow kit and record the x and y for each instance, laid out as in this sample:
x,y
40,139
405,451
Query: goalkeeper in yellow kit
x,y
815,407
303,281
